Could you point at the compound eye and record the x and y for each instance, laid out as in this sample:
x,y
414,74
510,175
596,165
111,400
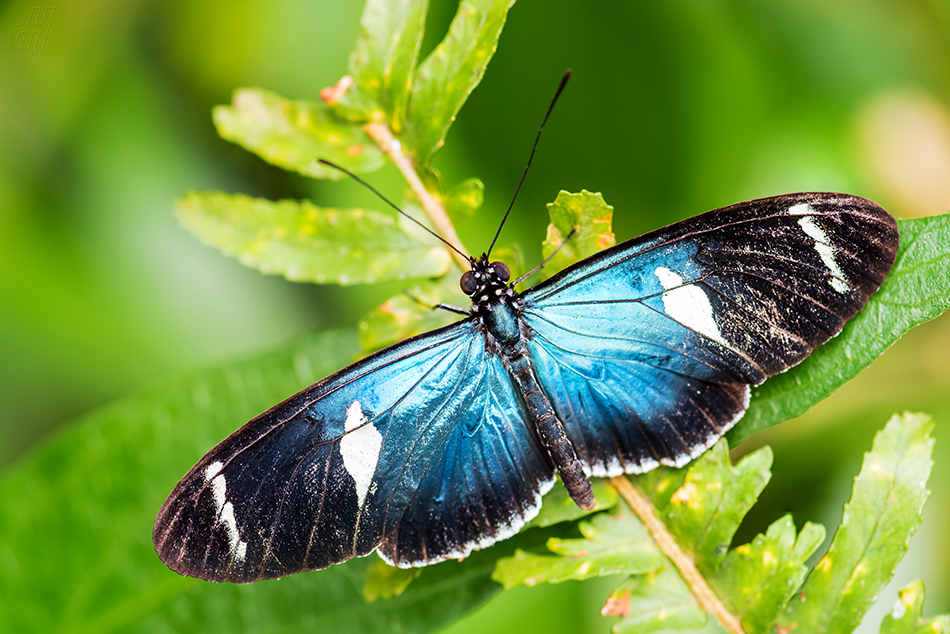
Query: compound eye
x,y
468,283
501,271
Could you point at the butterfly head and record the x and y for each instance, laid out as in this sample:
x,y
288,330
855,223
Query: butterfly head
x,y
486,282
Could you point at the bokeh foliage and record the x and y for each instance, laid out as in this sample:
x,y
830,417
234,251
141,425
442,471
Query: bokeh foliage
x,y
674,108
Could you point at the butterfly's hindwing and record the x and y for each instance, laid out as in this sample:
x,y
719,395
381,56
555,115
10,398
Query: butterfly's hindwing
x,y
647,348
487,482
374,453
628,414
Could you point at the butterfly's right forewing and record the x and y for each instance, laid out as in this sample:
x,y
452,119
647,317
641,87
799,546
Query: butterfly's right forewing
x,y
647,349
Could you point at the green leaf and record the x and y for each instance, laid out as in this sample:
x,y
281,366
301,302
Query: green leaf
x,y
293,134
417,586
906,616
589,216
77,513
382,581
450,73
656,602
558,506
386,53
304,242
757,579
613,543
464,199
879,520
470,579
702,506
705,511
916,290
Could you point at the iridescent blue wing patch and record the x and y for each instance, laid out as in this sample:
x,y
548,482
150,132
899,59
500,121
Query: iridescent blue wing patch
x,y
647,349
421,451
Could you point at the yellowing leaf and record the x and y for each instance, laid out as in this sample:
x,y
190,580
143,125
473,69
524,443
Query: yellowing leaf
x,y
613,543
304,242
450,73
294,134
589,217
386,52
879,520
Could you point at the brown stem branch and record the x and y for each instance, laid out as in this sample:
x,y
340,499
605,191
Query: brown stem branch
x,y
383,136
708,600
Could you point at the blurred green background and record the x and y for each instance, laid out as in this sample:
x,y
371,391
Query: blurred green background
x,y
674,108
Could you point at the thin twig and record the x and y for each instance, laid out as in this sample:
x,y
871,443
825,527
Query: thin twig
x,y
383,136
708,600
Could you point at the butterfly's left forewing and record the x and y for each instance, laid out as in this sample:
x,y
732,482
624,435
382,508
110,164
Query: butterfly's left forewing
x,y
647,349
420,450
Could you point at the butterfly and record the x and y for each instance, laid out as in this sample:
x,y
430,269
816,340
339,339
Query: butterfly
x,y
640,355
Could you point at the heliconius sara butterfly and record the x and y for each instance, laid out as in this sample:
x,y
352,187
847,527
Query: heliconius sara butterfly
x,y
640,355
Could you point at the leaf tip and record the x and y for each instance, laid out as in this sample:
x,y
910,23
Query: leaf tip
x,y
332,94
617,604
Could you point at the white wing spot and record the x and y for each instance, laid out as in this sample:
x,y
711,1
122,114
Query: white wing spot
x,y
212,469
826,252
801,209
360,449
688,305
220,490
225,511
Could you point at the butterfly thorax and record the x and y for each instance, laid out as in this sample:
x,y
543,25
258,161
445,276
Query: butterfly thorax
x,y
495,304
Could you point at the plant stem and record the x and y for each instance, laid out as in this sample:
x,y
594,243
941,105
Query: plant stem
x,y
708,600
383,136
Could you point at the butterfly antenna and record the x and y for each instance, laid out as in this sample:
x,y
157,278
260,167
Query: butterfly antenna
x,y
567,75
547,259
391,204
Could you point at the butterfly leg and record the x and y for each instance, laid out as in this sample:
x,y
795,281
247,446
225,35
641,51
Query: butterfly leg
x,y
448,307
452,309
551,430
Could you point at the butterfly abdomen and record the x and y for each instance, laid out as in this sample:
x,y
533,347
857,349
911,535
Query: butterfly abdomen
x,y
551,431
